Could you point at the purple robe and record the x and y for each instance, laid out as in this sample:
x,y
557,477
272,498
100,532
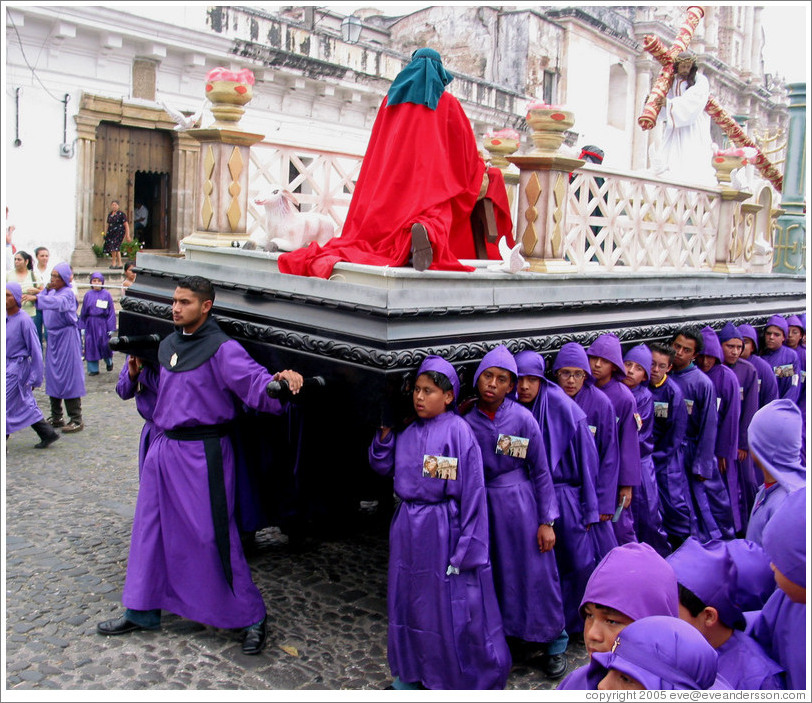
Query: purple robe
x,y
174,563
64,374
748,392
744,663
728,412
646,509
573,460
710,499
600,418
445,631
786,368
145,391
634,580
670,426
774,437
520,498
767,385
98,318
755,581
23,372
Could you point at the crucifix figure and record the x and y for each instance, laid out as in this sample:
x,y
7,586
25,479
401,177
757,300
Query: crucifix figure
x,y
668,57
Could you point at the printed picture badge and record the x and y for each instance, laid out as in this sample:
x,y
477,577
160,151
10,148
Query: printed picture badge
x,y
442,467
593,429
510,445
173,360
785,371
689,405
639,421
660,409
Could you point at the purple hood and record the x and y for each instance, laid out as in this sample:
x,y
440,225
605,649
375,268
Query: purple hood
x,y
607,346
436,363
712,346
784,537
774,437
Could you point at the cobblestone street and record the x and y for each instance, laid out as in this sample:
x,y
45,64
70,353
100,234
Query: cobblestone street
x,y
69,514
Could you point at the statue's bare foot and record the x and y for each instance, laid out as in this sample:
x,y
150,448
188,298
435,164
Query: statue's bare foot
x,y
421,248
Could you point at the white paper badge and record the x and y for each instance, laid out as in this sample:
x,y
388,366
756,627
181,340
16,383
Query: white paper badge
x,y
101,304
173,360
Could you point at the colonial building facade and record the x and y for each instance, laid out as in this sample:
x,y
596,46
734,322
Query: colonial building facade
x,y
84,87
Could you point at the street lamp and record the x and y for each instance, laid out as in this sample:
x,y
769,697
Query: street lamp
x,y
351,29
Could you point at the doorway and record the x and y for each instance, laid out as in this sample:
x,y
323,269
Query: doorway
x,y
151,202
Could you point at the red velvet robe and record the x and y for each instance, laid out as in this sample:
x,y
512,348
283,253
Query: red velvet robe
x,y
421,165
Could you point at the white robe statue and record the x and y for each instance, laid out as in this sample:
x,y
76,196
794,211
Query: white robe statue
x,y
687,151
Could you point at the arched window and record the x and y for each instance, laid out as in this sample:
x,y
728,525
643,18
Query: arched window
x,y
618,90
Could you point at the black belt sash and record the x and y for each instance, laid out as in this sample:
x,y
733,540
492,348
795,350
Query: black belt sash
x,y
210,436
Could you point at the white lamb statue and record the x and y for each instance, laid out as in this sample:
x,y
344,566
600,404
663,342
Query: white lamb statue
x,y
286,228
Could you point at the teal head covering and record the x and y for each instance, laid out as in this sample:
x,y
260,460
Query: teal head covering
x,y
421,81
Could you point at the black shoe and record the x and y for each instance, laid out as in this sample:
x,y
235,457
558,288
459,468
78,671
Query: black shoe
x,y
92,373
56,421
554,666
421,248
47,441
119,626
110,368
255,637
74,426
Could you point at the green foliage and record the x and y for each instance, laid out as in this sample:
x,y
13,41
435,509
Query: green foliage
x,y
130,249
98,250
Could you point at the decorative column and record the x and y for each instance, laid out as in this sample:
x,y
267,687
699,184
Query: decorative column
x,y
541,224
83,255
728,241
790,233
222,182
500,145
744,253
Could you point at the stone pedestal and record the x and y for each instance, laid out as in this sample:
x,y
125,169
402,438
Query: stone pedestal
x,y
541,223
728,230
222,186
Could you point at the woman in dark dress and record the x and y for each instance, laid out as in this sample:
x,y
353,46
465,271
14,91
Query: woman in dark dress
x,y
118,229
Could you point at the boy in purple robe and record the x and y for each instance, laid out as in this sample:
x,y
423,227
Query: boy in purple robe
x,y
781,626
631,582
659,653
732,342
782,359
522,510
98,318
64,376
573,460
767,385
608,370
708,578
139,379
670,426
728,412
646,510
572,371
185,554
775,440
445,629
708,490
23,371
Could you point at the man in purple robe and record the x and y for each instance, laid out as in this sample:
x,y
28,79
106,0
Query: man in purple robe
x,y
139,379
648,519
574,375
670,426
782,359
796,332
659,653
775,439
573,460
767,385
185,554
781,627
522,510
23,371
608,370
732,343
98,318
708,489
708,578
445,629
64,376
728,412
631,582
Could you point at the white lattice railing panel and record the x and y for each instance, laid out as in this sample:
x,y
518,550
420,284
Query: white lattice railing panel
x,y
322,181
617,220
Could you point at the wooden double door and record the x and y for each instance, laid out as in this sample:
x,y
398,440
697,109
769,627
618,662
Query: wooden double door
x,y
133,165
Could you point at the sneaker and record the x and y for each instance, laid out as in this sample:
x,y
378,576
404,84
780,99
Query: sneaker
x,y
74,427
56,421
